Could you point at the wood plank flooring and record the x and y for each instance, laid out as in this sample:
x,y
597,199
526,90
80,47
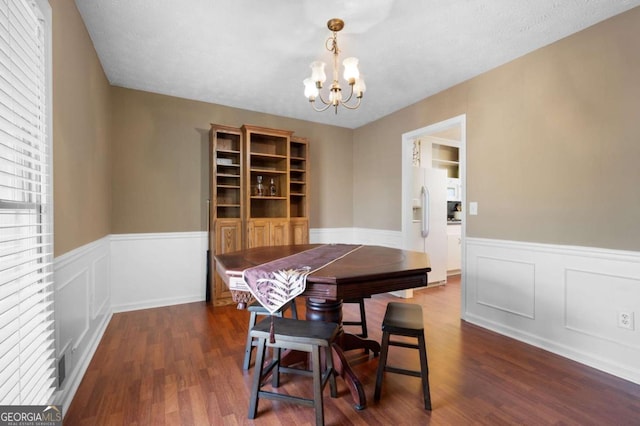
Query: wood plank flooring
x,y
182,365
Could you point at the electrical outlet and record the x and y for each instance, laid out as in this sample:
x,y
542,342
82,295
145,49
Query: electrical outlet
x,y
625,319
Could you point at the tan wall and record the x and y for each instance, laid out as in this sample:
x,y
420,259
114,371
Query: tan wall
x,y
553,144
160,166
81,154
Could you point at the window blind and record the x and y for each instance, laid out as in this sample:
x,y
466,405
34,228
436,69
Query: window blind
x,y
27,349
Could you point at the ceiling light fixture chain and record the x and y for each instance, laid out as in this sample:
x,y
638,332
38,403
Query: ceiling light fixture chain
x,y
318,76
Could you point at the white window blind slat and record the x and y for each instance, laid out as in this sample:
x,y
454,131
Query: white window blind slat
x,y
19,255
7,323
10,356
31,314
10,387
41,390
9,368
27,346
10,300
37,359
15,152
21,274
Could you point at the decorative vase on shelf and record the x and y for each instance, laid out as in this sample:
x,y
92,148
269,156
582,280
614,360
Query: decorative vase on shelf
x,y
259,187
273,191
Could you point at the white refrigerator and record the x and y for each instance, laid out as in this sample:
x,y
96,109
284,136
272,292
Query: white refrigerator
x,y
429,219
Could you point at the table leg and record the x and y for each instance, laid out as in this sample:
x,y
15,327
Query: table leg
x,y
331,311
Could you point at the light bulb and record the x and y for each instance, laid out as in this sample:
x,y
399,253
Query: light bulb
x,y
310,89
317,73
351,72
359,87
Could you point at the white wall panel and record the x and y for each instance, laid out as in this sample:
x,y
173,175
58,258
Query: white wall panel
x,y
507,285
593,301
101,300
151,270
82,310
377,237
560,298
72,309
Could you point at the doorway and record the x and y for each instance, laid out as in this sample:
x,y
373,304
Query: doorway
x,y
447,135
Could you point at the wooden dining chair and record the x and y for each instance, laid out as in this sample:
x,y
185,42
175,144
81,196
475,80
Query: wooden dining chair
x,y
256,309
403,319
306,336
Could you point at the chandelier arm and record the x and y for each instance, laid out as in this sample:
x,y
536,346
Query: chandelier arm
x,y
350,94
326,106
352,106
323,100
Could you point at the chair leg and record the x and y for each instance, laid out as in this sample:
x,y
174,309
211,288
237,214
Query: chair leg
x,y
275,373
294,309
249,346
332,373
257,378
382,362
317,385
424,368
363,318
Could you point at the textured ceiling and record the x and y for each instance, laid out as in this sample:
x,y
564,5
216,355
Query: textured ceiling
x,y
254,54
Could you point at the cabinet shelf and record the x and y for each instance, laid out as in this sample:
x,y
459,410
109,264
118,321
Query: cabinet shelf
x,y
228,151
266,197
228,186
264,155
268,171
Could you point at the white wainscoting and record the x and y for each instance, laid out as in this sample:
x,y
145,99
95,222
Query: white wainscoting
x,y
560,298
377,237
563,299
152,270
82,310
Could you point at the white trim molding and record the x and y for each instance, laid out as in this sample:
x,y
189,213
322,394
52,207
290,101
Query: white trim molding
x,y
564,299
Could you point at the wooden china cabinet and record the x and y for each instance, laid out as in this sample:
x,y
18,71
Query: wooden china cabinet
x,y
259,193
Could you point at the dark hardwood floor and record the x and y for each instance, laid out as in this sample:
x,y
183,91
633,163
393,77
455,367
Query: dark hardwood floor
x,y
182,365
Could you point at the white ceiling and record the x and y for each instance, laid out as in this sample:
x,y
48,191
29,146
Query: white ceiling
x,y
254,54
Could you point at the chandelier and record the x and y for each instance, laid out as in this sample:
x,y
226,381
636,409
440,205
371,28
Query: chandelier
x,y
313,84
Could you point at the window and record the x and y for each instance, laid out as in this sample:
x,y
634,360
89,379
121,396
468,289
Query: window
x,y
27,347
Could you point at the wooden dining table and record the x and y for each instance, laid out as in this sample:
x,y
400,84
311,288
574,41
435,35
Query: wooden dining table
x,y
364,272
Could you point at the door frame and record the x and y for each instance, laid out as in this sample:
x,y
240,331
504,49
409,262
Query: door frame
x,y
407,164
